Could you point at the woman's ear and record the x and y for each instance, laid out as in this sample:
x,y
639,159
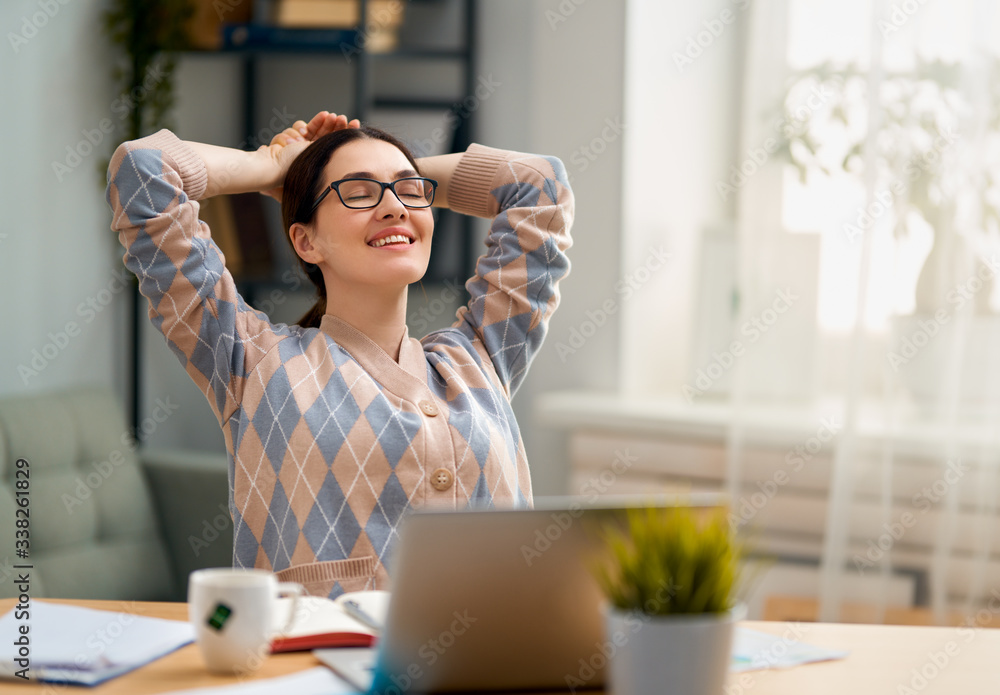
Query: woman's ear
x,y
301,237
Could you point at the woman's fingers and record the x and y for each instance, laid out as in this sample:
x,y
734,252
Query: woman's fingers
x,y
319,125
315,123
289,135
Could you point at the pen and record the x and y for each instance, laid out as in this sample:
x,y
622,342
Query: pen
x,y
354,610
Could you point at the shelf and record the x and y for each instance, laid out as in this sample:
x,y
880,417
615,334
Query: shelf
x,y
327,51
415,103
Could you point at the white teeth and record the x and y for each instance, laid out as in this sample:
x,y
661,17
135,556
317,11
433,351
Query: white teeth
x,y
391,239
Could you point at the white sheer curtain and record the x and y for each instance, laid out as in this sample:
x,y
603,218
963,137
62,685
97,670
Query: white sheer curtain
x,y
867,234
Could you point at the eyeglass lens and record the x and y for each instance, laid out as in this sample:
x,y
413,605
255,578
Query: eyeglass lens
x,y
363,193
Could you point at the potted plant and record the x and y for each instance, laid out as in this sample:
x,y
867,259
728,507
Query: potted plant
x,y
670,578
938,191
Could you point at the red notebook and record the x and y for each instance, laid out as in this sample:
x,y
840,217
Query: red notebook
x,y
321,623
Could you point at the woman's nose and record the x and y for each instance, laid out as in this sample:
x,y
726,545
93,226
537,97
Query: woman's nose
x,y
391,205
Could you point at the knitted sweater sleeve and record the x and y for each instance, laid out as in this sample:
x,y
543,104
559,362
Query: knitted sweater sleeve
x,y
153,186
515,288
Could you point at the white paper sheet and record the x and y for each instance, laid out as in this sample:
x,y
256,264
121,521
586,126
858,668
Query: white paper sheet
x,y
314,681
83,645
755,651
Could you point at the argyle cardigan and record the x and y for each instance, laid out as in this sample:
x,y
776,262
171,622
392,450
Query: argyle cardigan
x,y
330,441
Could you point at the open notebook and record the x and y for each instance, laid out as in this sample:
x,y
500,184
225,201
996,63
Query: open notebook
x,y
321,622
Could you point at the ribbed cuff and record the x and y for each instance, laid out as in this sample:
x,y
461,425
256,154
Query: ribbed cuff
x,y
469,190
191,167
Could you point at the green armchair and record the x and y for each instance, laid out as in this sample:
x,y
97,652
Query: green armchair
x,y
107,520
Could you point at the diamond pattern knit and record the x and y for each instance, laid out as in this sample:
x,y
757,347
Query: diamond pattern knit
x,y
330,440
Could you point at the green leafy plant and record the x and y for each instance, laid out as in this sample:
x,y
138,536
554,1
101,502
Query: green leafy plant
x,y
147,32
671,561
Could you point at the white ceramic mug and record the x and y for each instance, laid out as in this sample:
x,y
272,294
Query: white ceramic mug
x,y
233,614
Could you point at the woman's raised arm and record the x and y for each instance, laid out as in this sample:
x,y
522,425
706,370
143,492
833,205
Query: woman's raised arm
x,y
440,168
236,171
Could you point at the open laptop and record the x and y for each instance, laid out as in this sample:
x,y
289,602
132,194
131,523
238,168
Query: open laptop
x,y
495,600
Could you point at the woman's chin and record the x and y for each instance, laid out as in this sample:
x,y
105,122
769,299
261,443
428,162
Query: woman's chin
x,y
402,276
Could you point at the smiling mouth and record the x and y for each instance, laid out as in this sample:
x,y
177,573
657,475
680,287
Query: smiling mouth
x,y
391,240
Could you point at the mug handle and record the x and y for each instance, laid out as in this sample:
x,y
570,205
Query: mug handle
x,y
295,591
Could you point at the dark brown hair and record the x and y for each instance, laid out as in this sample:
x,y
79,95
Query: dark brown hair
x,y
303,184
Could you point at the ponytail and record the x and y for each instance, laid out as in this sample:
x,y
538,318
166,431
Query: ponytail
x,y
313,317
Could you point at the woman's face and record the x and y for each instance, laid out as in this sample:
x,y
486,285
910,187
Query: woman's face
x,y
349,239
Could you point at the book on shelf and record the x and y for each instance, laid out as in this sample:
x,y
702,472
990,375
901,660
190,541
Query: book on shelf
x,y
204,26
381,14
321,622
249,35
381,25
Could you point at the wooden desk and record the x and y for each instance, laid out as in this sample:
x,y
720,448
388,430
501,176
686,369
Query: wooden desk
x,y
924,660
176,671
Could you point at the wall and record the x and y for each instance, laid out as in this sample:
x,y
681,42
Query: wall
x,y
62,293
685,60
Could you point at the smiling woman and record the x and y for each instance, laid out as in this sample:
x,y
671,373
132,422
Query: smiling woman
x,y
337,426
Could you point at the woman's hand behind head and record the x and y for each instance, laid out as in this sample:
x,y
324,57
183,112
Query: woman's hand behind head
x,y
290,143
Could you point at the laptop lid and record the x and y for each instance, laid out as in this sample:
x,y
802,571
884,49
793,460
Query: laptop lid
x,y
501,599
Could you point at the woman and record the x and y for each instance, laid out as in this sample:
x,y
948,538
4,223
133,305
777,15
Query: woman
x,y
336,427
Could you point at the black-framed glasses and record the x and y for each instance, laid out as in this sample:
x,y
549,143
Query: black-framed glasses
x,y
361,194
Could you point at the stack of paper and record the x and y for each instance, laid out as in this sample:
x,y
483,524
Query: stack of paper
x,y
69,644
754,651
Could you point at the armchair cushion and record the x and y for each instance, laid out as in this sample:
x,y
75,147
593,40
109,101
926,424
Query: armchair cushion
x,y
93,532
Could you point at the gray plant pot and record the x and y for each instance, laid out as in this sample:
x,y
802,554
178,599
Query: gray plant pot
x,y
680,655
